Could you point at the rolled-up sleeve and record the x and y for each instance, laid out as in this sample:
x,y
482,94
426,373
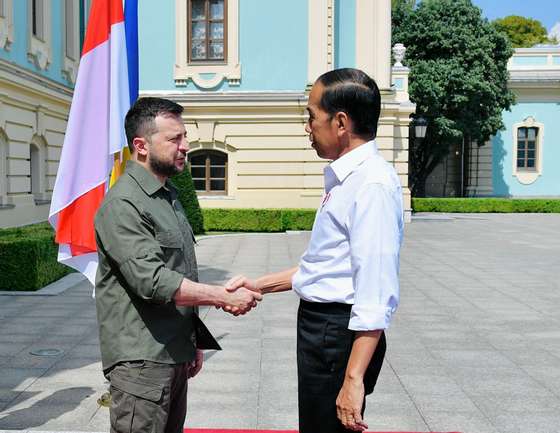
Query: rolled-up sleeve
x,y
127,238
375,232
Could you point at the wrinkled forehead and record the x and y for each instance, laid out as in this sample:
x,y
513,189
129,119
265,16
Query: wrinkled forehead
x,y
169,123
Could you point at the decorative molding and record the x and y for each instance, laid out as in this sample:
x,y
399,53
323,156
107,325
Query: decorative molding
x,y
26,81
39,50
199,73
528,177
7,25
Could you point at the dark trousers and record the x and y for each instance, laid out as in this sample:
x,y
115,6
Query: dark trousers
x,y
324,343
148,397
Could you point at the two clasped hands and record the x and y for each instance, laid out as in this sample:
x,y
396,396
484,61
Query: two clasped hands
x,y
245,293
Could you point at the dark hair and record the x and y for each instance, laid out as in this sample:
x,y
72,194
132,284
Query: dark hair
x,y
356,94
139,121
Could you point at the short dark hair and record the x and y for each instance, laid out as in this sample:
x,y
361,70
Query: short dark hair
x,y
139,121
356,94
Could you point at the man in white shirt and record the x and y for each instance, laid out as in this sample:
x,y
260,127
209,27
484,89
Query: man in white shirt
x,y
348,277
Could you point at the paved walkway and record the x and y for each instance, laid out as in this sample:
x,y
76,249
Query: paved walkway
x,y
475,346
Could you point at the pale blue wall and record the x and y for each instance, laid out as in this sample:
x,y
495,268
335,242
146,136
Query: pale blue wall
x,y
18,49
548,184
345,34
273,46
530,60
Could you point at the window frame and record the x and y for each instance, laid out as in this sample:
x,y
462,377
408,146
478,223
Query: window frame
x,y
208,22
529,175
526,142
207,74
207,171
39,46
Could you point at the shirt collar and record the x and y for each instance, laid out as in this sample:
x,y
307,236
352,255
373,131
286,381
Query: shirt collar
x,y
147,181
340,169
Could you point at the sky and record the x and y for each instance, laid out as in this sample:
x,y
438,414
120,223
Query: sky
x,y
546,11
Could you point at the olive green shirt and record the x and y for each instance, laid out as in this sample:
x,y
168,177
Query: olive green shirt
x,y
145,248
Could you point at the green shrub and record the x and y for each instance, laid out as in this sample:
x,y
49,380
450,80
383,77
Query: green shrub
x,y
28,258
258,220
298,219
486,205
187,196
243,220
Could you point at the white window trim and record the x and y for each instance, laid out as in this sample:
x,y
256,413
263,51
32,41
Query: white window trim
x,y
39,51
230,71
7,26
69,64
528,177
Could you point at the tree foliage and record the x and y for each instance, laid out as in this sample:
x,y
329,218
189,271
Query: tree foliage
x,y
458,79
522,32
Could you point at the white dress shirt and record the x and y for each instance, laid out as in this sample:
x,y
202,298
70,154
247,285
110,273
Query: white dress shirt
x,y
353,254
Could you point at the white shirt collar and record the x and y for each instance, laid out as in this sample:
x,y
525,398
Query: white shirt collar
x,y
339,169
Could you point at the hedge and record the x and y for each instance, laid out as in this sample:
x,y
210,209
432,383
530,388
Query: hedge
x,y
486,205
187,196
28,258
258,220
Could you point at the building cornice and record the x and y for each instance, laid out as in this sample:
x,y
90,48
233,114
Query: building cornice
x,y
30,82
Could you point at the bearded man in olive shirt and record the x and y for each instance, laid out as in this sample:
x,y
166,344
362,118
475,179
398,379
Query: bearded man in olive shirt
x,y
147,289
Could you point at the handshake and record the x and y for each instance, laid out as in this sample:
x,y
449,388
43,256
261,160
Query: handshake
x,y
241,296
238,296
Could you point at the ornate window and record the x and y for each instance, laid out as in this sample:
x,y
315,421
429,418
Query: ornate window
x,y
527,150
39,51
207,30
209,171
6,24
207,43
71,40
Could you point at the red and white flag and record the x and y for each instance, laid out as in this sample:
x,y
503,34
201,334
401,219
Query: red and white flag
x,y
94,135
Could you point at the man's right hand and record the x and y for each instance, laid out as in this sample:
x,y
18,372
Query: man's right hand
x,y
240,301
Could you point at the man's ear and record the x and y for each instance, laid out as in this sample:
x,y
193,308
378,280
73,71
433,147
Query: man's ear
x,y
140,145
343,122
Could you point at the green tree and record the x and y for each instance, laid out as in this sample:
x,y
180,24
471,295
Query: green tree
x,y
187,196
521,31
395,4
400,8
458,79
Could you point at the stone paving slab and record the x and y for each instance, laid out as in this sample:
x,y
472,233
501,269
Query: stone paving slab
x,y
474,347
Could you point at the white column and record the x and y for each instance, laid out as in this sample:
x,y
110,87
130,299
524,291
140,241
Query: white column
x,y
318,53
373,40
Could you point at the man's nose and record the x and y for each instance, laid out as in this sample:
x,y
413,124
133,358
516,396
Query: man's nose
x,y
184,145
307,128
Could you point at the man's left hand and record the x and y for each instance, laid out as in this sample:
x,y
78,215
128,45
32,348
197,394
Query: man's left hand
x,y
195,366
349,404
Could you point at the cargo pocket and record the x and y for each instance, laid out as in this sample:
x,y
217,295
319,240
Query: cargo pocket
x,y
137,405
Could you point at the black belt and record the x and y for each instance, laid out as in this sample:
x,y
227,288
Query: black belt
x,y
326,307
